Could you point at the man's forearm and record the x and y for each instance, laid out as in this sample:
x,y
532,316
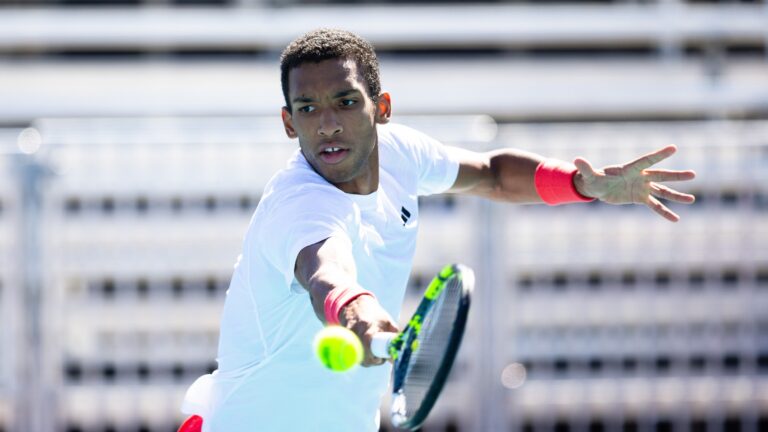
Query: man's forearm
x,y
323,267
513,172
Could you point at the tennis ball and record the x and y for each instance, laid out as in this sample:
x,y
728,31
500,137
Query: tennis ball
x,y
338,348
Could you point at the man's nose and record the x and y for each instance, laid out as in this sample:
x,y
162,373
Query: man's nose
x,y
329,124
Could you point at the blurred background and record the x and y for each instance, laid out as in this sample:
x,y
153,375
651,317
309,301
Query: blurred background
x,y
136,137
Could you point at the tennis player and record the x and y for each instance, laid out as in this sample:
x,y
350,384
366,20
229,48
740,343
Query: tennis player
x,y
332,241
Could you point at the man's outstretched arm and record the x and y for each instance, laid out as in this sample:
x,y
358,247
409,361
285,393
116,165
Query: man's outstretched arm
x,y
511,175
328,268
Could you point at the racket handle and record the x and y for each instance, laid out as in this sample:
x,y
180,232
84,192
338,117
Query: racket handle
x,y
380,344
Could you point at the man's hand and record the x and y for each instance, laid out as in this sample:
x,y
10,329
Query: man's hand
x,y
633,182
366,317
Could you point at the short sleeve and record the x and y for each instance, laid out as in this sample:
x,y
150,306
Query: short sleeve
x,y
436,164
300,219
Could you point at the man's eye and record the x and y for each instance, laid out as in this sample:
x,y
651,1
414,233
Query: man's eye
x,y
348,102
307,108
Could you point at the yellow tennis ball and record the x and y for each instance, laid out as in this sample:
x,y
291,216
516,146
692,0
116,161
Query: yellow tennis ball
x,y
338,348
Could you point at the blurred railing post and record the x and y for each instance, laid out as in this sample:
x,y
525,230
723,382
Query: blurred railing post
x,y
32,413
491,250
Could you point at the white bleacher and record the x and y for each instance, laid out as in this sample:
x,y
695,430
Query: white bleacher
x,y
557,88
662,23
576,321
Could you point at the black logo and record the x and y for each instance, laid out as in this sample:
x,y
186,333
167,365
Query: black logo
x,y
404,215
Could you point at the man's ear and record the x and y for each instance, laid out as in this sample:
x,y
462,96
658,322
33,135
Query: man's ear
x,y
288,123
383,108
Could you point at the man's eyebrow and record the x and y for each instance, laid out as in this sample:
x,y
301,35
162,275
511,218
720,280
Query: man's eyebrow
x,y
346,92
303,99
342,93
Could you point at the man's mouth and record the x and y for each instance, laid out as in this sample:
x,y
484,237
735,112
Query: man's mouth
x,y
332,155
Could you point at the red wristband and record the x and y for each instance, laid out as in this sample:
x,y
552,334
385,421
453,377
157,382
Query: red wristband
x,y
554,183
337,298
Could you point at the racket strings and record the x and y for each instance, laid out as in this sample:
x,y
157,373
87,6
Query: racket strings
x,y
434,340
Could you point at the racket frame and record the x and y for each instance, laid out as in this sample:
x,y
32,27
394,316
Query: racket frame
x,y
405,343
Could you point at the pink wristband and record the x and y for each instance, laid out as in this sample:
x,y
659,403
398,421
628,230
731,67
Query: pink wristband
x,y
554,183
337,298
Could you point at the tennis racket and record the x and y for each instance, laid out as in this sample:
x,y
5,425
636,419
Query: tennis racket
x,y
424,351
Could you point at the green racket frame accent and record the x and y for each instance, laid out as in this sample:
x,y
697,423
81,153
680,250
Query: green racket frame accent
x,y
412,330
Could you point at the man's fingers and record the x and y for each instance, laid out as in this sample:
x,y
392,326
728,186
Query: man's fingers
x,y
381,326
651,159
585,168
666,193
661,209
369,359
372,361
660,175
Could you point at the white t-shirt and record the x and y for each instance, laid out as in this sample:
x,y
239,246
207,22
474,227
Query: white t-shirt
x,y
268,377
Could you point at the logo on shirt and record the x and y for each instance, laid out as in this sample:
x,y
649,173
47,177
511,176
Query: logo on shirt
x,y
404,215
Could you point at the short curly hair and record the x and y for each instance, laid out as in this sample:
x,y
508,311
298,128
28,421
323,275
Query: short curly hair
x,y
325,44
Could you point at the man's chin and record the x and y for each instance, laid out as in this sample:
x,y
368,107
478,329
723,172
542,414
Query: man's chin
x,y
335,177
338,180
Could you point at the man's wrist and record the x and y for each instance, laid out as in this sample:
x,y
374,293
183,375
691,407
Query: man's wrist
x,y
555,182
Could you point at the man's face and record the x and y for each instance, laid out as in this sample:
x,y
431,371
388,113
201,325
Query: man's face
x,y
335,120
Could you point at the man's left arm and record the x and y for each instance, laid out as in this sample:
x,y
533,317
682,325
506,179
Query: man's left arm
x,y
521,177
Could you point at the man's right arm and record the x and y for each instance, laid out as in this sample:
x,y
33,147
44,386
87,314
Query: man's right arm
x,y
329,265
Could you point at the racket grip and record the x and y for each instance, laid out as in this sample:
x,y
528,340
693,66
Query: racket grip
x,y
380,344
